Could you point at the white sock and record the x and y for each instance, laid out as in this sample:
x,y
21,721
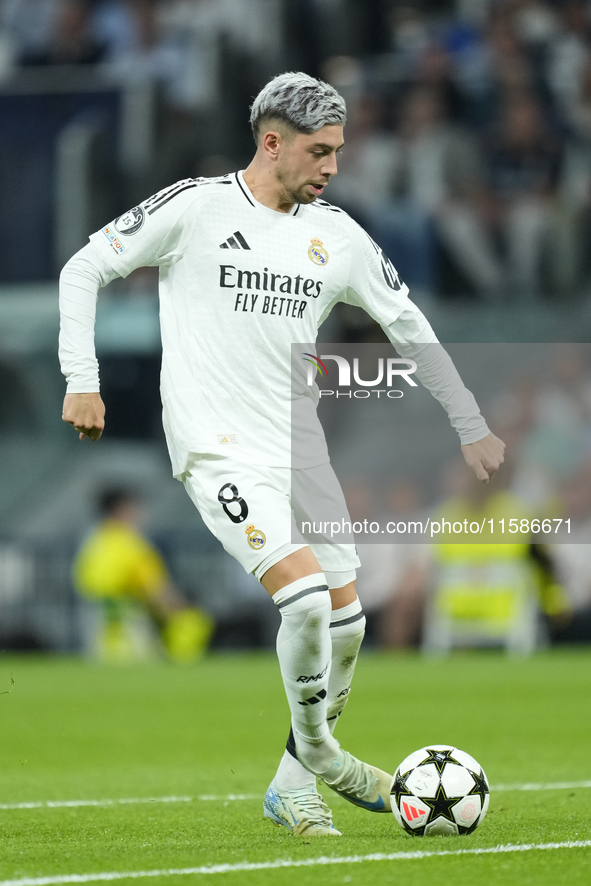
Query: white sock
x,y
291,775
347,627
304,652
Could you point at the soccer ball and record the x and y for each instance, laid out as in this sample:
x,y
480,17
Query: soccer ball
x,y
439,790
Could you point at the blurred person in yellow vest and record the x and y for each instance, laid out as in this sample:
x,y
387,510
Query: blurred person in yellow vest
x,y
138,613
493,577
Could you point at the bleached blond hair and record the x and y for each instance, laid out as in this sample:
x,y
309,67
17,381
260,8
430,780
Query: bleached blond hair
x,y
302,102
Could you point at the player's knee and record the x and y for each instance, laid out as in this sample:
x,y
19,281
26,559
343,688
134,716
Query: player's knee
x,y
348,622
307,601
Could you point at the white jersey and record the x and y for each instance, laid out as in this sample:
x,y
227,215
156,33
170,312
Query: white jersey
x,y
239,284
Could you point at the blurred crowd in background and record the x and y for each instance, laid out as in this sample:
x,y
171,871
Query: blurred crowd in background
x,y
467,158
468,149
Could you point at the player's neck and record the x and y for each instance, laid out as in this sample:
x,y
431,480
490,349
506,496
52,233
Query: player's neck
x,y
265,188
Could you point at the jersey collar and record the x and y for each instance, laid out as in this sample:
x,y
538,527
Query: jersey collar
x,y
255,203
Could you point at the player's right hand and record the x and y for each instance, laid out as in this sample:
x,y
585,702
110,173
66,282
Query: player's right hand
x,y
86,413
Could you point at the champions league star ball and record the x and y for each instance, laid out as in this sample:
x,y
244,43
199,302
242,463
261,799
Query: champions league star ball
x,y
439,790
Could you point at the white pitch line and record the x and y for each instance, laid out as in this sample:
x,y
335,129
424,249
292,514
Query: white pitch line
x,y
60,804
552,786
289,863
122,801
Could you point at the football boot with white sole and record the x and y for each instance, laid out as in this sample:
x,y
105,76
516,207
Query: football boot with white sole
x,y
359,783
303,812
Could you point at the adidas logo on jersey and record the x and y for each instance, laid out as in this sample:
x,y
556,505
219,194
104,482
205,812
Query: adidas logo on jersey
x,y
236,241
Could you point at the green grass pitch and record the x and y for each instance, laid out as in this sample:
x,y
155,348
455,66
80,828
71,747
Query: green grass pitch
x,y
71,730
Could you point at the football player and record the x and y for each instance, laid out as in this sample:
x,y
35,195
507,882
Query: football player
x,y
251,263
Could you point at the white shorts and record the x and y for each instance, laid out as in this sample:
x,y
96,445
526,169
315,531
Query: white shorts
x,y
254,511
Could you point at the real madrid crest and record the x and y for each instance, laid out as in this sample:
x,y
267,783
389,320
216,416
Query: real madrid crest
x,y
255,537
317,253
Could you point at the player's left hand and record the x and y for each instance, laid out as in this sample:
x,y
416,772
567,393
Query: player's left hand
x,y
485,456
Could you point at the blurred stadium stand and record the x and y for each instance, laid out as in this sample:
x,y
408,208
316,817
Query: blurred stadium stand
x,y
102,102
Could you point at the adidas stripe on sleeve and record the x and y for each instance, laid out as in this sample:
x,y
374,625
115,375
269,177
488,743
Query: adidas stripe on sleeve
x,y
152,233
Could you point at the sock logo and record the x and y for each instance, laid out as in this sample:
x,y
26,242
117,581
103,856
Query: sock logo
x,y
314,698
344,693
313,679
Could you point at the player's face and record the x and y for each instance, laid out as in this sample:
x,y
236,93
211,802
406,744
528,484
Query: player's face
x,y
306,163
